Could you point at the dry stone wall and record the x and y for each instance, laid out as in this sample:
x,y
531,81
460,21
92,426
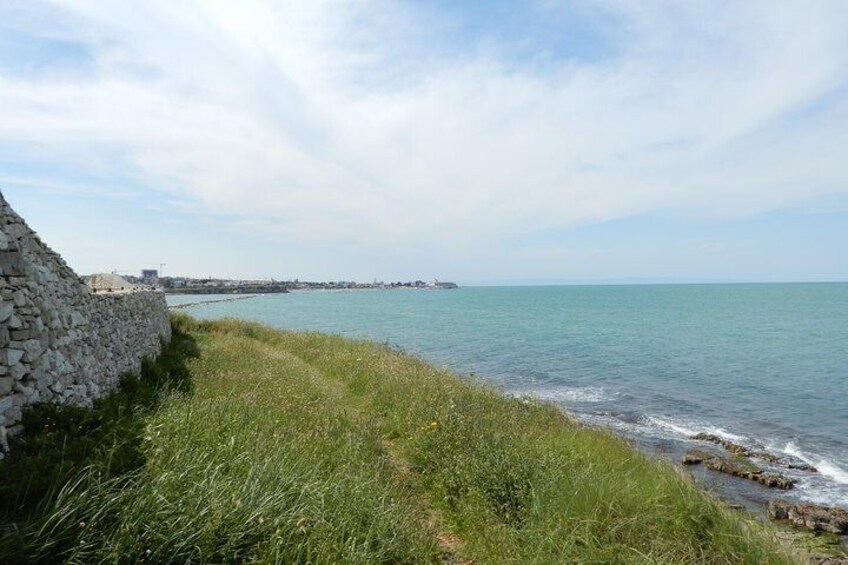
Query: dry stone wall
x,y
59,341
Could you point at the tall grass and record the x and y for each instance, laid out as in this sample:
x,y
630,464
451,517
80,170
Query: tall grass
x,y
307,448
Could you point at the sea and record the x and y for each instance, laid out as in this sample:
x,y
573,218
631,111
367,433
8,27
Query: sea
x,y
762,365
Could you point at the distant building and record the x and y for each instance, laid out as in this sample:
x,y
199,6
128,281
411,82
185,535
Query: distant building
x,y
150,276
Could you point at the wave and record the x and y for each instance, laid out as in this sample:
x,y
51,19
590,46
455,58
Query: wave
x,y
689,429
826,467
828,486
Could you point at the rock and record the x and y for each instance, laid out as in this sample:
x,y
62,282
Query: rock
x,y
17,371
6,384
77,319
721,464
697,456
6,310
737,449
811,516
11,263
828,560
13,414
728,445
20,335
802,467
20,299
32,349
14,356
775,481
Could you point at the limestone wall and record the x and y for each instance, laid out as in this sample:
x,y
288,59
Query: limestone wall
x,y
60,342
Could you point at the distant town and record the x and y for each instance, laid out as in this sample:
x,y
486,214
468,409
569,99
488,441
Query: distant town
x,y
188,285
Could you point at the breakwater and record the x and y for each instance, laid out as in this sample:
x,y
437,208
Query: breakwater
x,y
59,341
205,302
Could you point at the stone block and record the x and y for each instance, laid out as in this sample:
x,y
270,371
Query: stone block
x,y
25,390
18,371
13,414
14,323
14,356
20,335
11,264
6,384
77,319
32,350
6,310
20,299
16,231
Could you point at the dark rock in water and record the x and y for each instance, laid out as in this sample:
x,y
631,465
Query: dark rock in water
x,y
736,469
697,456
810,516
728,445
802,467
774,481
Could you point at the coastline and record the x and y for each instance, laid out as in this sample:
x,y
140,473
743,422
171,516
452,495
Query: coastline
x,y
498,478
501,334
736,492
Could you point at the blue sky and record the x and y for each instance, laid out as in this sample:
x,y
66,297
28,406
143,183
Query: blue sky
x,y
496,142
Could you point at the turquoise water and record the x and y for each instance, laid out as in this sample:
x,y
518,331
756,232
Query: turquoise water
x,y
762,364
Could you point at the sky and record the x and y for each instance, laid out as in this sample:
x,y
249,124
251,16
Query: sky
x,y
497,142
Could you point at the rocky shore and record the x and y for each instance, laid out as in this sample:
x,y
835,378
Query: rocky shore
x,y
743,451
818,520
810,516
737,468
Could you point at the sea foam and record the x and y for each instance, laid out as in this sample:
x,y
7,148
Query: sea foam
x,y
826,467
577,394
690,429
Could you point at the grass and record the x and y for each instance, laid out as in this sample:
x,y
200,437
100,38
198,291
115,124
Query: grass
x,y
277,447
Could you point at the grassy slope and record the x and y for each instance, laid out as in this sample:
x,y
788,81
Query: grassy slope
x,y
308,448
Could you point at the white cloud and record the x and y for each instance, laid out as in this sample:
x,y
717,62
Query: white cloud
x,y
352,122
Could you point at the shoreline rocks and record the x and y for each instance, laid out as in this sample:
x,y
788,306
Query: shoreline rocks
x,y
743,451
727,466
810,516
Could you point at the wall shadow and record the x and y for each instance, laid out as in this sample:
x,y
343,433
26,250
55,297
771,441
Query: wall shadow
x,y
59,442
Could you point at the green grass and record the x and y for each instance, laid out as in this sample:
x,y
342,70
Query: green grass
x,y
276,447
